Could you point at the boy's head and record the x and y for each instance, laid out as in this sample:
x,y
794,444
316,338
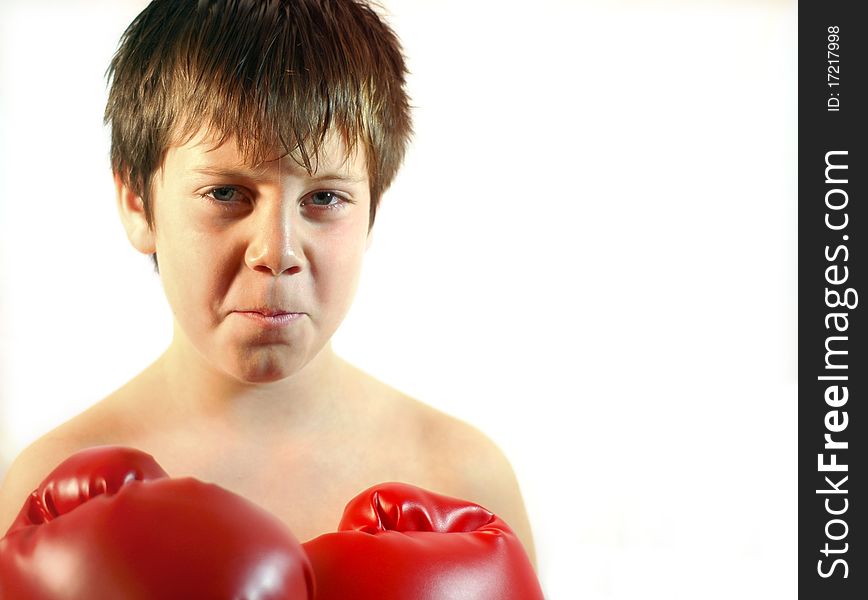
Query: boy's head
x,y
275,76
251,141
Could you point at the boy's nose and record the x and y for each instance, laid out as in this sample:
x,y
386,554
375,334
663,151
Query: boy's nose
x,y
275,246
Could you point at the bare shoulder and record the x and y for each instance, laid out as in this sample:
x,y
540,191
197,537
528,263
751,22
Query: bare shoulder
x,y
469,465
42,456
446,454
27,470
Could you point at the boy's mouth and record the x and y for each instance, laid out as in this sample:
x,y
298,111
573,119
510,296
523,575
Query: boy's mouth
x,y
268,312
270,318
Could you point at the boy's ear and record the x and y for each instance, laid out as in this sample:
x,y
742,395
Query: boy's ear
x,y
132,213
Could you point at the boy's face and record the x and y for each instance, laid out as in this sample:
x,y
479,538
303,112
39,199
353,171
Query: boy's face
x,y
236,242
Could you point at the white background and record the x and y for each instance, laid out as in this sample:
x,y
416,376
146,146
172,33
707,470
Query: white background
x,y
590,254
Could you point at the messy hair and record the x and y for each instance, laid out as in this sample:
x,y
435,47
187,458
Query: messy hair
x,y
272,74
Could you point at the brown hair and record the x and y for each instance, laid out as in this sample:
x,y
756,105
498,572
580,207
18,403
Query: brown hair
x,y
270,73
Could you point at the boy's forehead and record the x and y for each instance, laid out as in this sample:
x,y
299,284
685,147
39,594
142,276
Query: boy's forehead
x,y
204,151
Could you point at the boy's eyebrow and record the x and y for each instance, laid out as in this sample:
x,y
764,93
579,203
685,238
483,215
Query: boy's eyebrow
x,y
249,173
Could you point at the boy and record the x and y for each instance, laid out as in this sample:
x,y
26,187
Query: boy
x,y
251,143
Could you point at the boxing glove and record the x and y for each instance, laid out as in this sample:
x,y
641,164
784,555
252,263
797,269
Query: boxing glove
x,y
109,523
398,542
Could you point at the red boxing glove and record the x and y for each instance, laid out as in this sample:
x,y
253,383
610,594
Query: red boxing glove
x,y
399,542
109,523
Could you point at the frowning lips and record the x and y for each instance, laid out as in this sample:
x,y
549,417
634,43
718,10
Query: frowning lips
x,y
268,311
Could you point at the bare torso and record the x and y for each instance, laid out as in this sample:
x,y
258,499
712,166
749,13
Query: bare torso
x,y
306,477
305,473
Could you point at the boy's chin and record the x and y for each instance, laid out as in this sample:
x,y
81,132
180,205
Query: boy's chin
x,y
271,376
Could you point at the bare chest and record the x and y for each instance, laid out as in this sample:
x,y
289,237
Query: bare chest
x,y
307,491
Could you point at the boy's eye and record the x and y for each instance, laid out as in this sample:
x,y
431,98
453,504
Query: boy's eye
x,y
224,194
325,202
324,199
